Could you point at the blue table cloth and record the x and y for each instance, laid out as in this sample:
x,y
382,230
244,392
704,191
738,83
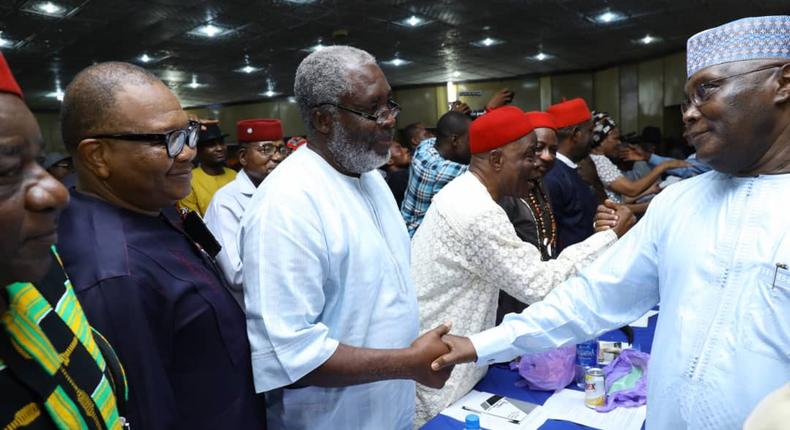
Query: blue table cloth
x,y
502,381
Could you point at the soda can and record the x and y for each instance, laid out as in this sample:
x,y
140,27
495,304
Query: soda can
x,y
594,388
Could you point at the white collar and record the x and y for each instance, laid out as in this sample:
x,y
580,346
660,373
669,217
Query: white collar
x,y
566,160
246,187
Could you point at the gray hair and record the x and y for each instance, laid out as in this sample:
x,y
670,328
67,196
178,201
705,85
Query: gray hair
x,y
322,77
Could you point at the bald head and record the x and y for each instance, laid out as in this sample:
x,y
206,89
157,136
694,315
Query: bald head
x,y
89,104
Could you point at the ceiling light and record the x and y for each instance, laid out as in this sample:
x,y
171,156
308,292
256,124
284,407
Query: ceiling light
x,y
57,94
195,84
248,69
608,17
413,21
397,62
317,47
209,30
541,56
456,74
487,42
648,39
4,43
49,8
270,93
145,58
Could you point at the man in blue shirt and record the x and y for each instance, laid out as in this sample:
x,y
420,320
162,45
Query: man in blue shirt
x,y
143,281
572,200
436,162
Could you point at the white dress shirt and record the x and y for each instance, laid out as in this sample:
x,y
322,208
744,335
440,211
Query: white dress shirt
x,y
464,252
326,261
708,250
223,218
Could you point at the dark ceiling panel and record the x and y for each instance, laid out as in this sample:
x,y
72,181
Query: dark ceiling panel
x,y
273,35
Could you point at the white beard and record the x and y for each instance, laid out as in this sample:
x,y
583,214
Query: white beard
x,y
353,157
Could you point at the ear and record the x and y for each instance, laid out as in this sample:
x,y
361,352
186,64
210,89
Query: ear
x,y
242,154
496,159
322,121
93,154
783,92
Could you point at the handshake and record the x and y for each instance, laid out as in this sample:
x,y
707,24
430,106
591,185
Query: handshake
x,y
434,354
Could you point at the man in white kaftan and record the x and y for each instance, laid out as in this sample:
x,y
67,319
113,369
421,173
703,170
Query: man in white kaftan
x,y
713,250
467,250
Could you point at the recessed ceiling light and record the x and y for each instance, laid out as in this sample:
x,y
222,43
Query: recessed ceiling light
x,y
4,43
270,93
57,94
397,62
648,39
195,84
487,42
317,47
413,21
210,30
49,8
46,8
609,16
248,69
145,58
541,56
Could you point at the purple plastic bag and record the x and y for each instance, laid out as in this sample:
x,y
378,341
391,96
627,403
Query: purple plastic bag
x,y
622,366
548,370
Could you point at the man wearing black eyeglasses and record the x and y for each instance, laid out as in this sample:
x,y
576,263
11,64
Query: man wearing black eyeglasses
x,y
144,282
713,249
261,150
331,307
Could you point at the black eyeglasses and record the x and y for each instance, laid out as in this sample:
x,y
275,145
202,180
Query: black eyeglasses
x,y
703,90
173,140
269,149
390,111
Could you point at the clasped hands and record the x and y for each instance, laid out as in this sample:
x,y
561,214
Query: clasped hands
x,y
436,352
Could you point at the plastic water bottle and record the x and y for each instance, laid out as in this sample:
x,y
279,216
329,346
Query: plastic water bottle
x,y
586,357
472,422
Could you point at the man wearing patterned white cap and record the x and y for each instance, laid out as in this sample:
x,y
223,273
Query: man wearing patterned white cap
x,y
714,249
261,150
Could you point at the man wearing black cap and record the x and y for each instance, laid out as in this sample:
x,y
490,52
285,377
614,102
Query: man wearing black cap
x,y
211,174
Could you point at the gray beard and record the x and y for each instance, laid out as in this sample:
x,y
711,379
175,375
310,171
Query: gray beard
x,y
353,157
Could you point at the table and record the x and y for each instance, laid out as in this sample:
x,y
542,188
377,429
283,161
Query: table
x,y
502,381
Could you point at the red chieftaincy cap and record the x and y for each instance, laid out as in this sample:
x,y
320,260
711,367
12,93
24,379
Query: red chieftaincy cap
x,y
498,128
570,112
259,130
7,82
541,119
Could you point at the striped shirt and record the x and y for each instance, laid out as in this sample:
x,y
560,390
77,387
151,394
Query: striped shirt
x,y
49,351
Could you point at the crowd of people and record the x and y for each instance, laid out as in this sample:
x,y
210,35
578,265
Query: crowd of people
x,y
349,278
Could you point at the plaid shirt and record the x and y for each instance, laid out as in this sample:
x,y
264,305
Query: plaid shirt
x,y
429,172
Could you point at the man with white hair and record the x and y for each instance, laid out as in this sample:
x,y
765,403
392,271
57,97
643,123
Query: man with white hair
x,y
331,307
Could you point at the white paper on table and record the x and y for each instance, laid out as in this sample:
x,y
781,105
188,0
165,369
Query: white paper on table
x,y
643,321
569,405
475,398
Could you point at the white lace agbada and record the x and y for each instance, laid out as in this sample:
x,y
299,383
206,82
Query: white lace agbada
x,y
466,250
